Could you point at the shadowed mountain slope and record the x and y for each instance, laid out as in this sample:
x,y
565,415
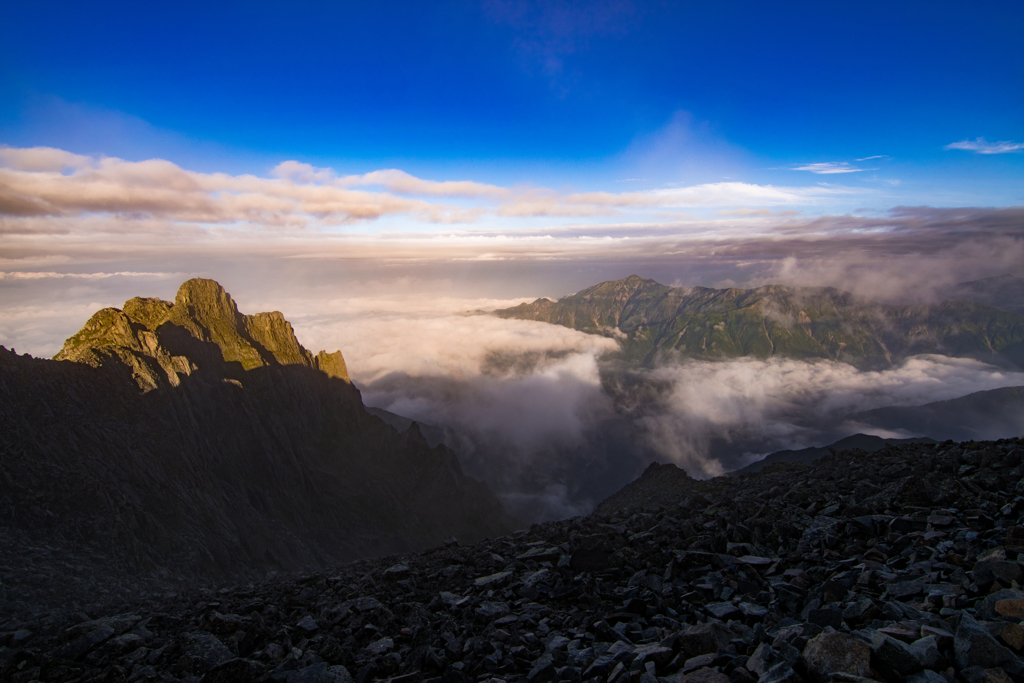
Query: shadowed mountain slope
x,y
864,442
649,318
997,411
189,440
1002,291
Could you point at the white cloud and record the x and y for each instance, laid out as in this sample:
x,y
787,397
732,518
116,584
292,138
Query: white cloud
x,y
982,146
830,167
38,275
42,159
548,203
785,403
401,182
54,183
159,188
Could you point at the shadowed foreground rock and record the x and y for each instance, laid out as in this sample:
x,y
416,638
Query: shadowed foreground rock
x,y
898,565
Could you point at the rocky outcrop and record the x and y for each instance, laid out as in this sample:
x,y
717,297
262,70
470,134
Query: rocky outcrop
x,y
332,364
187,441
649,319
898,565
140,335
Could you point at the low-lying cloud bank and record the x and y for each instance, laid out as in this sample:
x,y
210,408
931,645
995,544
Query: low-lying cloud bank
x,y
720,416
554,424
543,413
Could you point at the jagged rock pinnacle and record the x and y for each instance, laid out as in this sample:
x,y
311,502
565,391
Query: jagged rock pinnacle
x,y
146,337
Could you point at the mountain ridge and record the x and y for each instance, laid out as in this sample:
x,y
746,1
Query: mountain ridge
x,y
199,442
650,319
1000,291
205,311
995,411
864,442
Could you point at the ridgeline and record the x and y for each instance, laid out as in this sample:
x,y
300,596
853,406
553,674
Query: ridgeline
x,y
648,319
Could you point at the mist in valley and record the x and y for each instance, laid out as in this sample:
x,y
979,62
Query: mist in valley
x,y
555,422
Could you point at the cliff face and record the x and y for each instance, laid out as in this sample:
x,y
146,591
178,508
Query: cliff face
x,y
188,439
649,318
144,334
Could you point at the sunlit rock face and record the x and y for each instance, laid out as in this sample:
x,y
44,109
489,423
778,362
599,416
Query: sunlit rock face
x,y
139,335
187,439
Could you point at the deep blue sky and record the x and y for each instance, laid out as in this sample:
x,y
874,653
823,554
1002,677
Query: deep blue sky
x,y
556,94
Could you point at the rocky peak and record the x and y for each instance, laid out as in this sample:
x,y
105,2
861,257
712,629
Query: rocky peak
x,y
146,337
333,364
209,314
206,301
148,312
174,442
106,327
619,290
276,336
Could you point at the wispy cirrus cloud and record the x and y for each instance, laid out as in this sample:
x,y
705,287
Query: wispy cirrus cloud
x,y
983,146
41,275
392,180
725,194
830,167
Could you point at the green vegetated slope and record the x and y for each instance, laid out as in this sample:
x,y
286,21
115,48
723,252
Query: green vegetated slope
x,y
189,438
649,318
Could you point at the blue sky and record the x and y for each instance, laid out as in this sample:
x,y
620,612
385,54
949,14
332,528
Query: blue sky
x,y
602,95
502,149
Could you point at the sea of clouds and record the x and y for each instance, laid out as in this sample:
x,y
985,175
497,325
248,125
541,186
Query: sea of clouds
x,y
554,423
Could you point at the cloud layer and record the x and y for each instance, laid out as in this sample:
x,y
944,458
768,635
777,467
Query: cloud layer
x,y
720,416
983,146
534,408
43,181
829,167
75,215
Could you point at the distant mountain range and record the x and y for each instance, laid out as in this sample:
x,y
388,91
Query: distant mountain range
x,y
650,320
187,439
863,442
983,414
997,413
1003,291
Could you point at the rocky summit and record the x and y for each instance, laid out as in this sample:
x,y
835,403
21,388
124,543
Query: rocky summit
x,y
902,564
174,443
